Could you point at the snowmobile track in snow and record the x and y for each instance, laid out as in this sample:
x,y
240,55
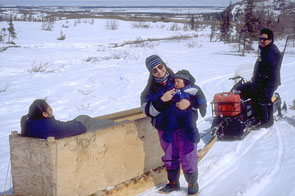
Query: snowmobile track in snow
x,y
234,153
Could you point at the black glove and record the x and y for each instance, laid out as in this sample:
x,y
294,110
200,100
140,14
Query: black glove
x,y
203,111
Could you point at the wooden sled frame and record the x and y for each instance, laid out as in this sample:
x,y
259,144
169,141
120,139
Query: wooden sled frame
x,y
124,159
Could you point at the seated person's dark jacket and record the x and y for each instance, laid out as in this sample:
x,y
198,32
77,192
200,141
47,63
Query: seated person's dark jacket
x,y
47,127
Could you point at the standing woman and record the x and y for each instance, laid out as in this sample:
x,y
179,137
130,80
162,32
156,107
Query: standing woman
x,y
181,150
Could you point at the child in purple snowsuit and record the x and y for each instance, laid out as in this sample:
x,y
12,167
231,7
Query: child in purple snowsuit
x,y
179,150
176,118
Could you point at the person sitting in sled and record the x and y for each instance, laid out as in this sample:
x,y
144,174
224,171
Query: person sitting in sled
x,y
40,123
155,99
265,79
176,118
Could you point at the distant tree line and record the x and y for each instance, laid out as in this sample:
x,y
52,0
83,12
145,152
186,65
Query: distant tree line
x,y
241,26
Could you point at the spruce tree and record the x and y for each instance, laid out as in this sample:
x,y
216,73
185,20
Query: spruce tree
x,y
3,34
249,19
192,22
11,30
249,30
225,24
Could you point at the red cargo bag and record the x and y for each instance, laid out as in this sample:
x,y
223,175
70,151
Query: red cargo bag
x,y
227,104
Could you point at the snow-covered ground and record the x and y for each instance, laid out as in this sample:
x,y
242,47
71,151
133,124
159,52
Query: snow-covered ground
x,y
98,71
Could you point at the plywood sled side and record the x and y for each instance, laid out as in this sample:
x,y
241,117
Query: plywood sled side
x,y
30,166
148,180
84,164
132,114
122,159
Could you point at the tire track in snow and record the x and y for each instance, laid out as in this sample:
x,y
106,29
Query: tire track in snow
x,y
217,81
229,160
261,182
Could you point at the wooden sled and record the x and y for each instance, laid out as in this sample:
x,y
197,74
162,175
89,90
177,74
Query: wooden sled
x,y
123,159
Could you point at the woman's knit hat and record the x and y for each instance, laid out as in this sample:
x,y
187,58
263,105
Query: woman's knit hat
x,y
152,61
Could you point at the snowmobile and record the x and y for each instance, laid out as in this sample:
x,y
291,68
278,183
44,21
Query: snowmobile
x,y
233,115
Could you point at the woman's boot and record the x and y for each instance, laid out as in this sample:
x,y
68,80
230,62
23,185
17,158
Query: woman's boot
x,y
173,178
192,180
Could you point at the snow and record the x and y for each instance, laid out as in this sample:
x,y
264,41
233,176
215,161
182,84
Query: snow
x,y
88,74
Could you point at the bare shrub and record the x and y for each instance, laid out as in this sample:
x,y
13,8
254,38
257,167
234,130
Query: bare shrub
x,y
191,44
40,68
4,88
112,24
116,56
76,22
92,59
186,27
62,36
292,107
141,25
84,92
83,107
47,26
65,26
91,21
144,45
174,27
142,41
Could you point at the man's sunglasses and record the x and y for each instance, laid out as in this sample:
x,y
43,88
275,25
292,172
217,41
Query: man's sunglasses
x,y
263,39
159,67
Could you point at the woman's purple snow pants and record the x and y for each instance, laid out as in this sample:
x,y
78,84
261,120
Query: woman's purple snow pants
x,y
180,151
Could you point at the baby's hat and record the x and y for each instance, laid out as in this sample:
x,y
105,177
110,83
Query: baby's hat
x,y
185,75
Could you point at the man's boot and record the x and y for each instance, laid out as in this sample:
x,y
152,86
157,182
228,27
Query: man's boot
x,y
192,180
173,178
284,106
270,120
262,115
280,111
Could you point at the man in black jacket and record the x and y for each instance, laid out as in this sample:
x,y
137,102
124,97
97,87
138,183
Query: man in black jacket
x,y
266,77
265,80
